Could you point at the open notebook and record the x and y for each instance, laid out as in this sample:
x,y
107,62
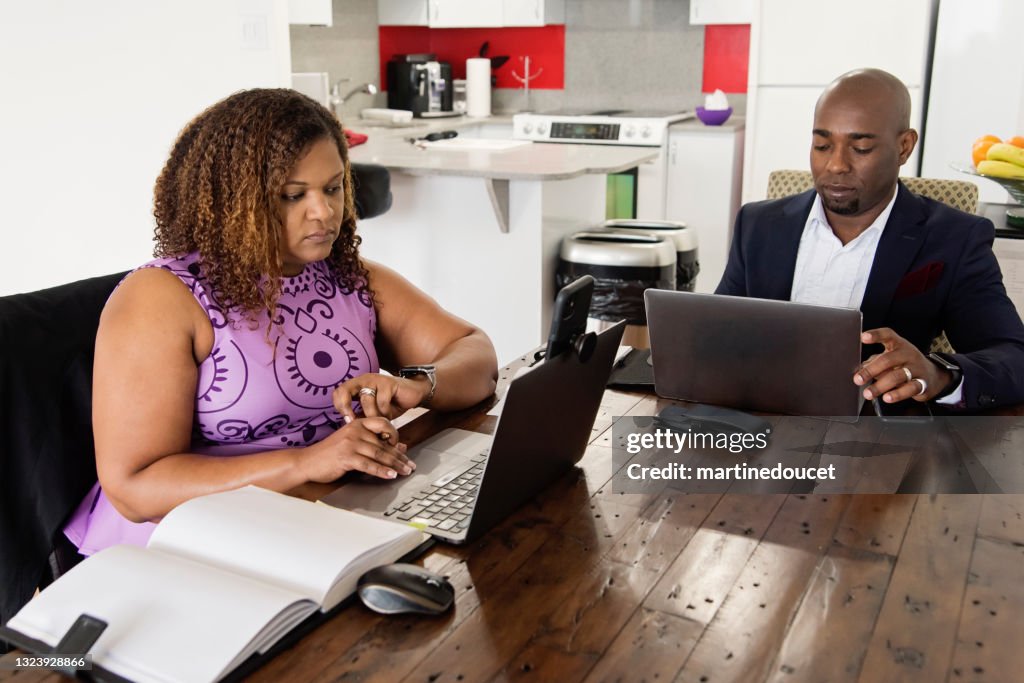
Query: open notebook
x,y
224,577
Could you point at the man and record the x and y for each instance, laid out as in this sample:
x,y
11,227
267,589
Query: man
x,y
914,267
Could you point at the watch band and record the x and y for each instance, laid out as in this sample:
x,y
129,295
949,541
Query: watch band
x,y
428,371
952,368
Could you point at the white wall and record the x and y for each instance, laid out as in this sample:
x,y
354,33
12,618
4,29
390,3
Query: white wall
x,y
92,96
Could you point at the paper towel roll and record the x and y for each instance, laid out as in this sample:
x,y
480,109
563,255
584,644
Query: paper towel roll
x,y
478,87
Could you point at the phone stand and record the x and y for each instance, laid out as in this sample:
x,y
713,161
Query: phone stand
x,y
584,345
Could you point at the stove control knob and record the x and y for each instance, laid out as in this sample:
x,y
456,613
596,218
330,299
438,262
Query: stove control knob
x,y
630,131
527,128
646,132
542,128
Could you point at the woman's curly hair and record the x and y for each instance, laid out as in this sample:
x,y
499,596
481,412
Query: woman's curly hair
x,y
219,194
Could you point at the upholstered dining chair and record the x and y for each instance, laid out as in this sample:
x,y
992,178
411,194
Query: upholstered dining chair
x,y
960,194
47,462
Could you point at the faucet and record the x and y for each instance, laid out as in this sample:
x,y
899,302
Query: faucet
x,y
338,100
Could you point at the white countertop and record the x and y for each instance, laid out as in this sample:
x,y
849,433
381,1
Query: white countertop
x,y
536,161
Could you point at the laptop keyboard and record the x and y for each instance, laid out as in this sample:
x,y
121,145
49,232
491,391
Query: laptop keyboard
x,y
446,504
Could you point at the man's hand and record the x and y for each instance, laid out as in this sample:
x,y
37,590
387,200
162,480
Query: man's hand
x,y
898,372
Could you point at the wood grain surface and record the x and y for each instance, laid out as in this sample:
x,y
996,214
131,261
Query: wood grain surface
x,y
587,584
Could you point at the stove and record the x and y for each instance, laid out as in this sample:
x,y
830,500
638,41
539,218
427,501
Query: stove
x,y
639,128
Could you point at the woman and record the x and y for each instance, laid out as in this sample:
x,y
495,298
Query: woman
x,y
236,356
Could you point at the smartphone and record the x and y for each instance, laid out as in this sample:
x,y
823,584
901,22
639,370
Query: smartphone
x,y
569,316
903,412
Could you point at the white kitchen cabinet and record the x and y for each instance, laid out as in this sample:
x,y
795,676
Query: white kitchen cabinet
x,y
440,13
310,12
402,12
533,12
899,44
470,13
464,13
703,190
784,83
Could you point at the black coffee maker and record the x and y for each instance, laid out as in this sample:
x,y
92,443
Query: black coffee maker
x,y
420,84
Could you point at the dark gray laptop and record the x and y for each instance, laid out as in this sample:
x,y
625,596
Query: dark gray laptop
x,y
755,354
466,482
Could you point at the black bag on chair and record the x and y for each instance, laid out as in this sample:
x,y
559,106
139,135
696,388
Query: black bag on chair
x,y
47,462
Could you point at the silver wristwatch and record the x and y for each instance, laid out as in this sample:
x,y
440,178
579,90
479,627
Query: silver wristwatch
x,y
429,371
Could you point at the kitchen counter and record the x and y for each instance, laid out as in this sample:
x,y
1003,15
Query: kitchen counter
x,y
535,161
734,124
480,230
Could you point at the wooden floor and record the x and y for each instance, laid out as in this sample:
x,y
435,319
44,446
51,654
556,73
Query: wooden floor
x,y
587,585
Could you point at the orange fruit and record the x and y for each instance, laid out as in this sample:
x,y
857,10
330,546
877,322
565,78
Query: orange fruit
x,y
981,146
1016,141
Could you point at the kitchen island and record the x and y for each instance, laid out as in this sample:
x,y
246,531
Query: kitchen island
x,y
479,228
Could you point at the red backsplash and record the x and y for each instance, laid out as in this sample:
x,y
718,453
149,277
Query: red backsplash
x,y
544,45
726,57
726,52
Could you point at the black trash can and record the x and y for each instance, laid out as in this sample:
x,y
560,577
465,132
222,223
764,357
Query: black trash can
x,y
683,237
623,267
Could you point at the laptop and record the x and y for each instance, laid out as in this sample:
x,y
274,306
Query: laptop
x,y
755,354
466,482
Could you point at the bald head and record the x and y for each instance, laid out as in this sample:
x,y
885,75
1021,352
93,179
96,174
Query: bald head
x,y
861,137
873,89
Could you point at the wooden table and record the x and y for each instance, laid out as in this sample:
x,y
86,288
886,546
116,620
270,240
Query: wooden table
x,y
584,584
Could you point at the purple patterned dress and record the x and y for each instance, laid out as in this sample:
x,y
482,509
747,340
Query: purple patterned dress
x,y
253,396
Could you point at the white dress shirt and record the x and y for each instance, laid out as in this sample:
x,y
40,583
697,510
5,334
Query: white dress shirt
x,y
830,273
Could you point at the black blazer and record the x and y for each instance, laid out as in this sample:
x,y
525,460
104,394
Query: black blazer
x,y
934,271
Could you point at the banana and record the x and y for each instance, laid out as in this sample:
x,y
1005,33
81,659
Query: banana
x,y
1004,152
1001,169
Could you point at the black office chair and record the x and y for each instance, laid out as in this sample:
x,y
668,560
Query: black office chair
x,y
372,188
47,461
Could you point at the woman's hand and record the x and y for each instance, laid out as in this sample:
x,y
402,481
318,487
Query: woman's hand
x,y
380,395
367,445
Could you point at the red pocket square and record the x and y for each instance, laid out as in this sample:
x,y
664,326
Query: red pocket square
x,y
921,280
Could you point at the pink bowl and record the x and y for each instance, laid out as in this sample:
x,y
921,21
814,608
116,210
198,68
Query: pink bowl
x,y
713,117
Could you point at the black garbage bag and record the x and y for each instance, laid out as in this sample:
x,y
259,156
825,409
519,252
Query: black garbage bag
x,y
618,290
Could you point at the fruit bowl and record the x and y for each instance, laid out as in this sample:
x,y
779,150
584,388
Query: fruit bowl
x,y
1015,216
713,117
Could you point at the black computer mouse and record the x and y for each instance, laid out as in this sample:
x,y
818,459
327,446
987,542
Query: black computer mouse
x,y
405,589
